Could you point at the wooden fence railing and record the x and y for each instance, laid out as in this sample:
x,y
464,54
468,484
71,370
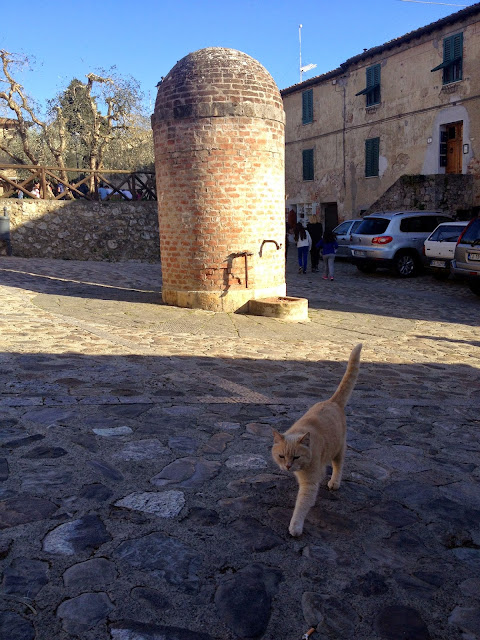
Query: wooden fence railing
x,y
33,181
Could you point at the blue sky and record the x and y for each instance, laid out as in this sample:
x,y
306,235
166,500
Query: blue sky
x,y
145,39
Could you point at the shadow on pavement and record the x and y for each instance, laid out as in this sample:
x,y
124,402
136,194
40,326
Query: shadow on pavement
x,y
87,280
377,295
85,438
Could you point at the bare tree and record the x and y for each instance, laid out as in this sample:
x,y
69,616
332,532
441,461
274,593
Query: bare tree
x,y
85,119
27,115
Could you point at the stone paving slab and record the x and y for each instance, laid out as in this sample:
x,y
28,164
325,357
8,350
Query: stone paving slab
x,y
138,500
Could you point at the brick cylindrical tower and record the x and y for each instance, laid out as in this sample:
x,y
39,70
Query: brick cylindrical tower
x,y
218,130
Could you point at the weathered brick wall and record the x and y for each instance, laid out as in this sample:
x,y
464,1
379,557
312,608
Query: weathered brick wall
x,y
219,161
82,230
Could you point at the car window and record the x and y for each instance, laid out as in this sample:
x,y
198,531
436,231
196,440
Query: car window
x,y
372,226
342,228
418,224
449,233
473,232
355,225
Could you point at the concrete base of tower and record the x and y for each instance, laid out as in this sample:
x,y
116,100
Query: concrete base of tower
x,y
281,307
233,300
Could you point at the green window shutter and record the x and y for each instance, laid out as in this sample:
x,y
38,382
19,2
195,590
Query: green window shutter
x,y
372,154
308,169
452,65
448,49
370,77
457,45
373,76
457,63
373,96
307,106
372,90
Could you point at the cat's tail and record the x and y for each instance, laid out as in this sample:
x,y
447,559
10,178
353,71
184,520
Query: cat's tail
x,y
345,388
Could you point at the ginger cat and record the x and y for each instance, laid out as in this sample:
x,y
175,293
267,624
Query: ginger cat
x,y
317,438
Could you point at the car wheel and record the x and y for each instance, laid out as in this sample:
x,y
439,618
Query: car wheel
x,y
366,268
406,265
474,286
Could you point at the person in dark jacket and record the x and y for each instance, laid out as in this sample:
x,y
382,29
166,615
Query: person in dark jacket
x,y
329,245
291,221
315,229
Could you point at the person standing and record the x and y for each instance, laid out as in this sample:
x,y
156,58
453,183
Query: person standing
x,y
291,221
36,190
102,192
315,229
304,242
329,246
60,189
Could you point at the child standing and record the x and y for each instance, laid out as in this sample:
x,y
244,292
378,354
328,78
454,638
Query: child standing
x,y
304,242
329,247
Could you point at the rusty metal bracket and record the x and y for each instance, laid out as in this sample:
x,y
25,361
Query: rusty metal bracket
x,y
278,245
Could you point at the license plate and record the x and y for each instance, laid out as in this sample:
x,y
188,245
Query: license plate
x,y
474,256
358,253
437,263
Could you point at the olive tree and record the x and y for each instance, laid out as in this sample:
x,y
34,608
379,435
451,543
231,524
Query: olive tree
x,y
32,131
92,122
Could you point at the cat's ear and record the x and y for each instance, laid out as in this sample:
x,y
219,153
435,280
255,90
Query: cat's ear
x,y
277,437
305,439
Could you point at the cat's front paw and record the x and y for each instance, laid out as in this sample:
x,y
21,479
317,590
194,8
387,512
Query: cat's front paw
x,y
295,529
333,485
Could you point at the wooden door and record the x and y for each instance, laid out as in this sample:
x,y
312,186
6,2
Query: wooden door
x,y
454,147
331,215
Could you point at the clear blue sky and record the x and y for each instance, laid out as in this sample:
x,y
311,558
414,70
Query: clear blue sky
x,y
145,39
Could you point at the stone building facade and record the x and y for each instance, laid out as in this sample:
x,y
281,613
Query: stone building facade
x,y
408,107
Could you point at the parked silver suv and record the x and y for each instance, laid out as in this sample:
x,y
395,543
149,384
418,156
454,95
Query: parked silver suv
x,y
466,262
394,239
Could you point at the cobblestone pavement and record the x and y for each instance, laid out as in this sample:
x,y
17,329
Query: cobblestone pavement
x,y
138,499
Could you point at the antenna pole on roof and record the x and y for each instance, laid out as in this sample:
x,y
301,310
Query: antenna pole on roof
x,y
307,67
300,45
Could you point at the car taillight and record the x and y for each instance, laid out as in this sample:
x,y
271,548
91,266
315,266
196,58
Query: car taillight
x,y
423,250
463,232
382,240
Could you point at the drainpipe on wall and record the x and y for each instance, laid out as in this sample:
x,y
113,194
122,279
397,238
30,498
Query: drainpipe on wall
x,y
343,143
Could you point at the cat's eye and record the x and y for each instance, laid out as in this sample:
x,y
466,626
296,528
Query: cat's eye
x,y
296,457
282,457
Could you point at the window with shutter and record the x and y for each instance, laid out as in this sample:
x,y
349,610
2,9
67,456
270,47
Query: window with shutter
x,y
372,90
307,106
452,65
372,155
307,156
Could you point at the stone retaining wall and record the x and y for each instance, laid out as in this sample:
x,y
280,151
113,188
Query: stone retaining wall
x,y
82,230
450,193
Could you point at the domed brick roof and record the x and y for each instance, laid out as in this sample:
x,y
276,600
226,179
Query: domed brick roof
x,y
216,82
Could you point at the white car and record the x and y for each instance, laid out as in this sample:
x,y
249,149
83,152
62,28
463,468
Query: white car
x,y
343,233
439,247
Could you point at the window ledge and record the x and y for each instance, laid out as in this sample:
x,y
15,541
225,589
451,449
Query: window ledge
x,y
373,108
451,87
